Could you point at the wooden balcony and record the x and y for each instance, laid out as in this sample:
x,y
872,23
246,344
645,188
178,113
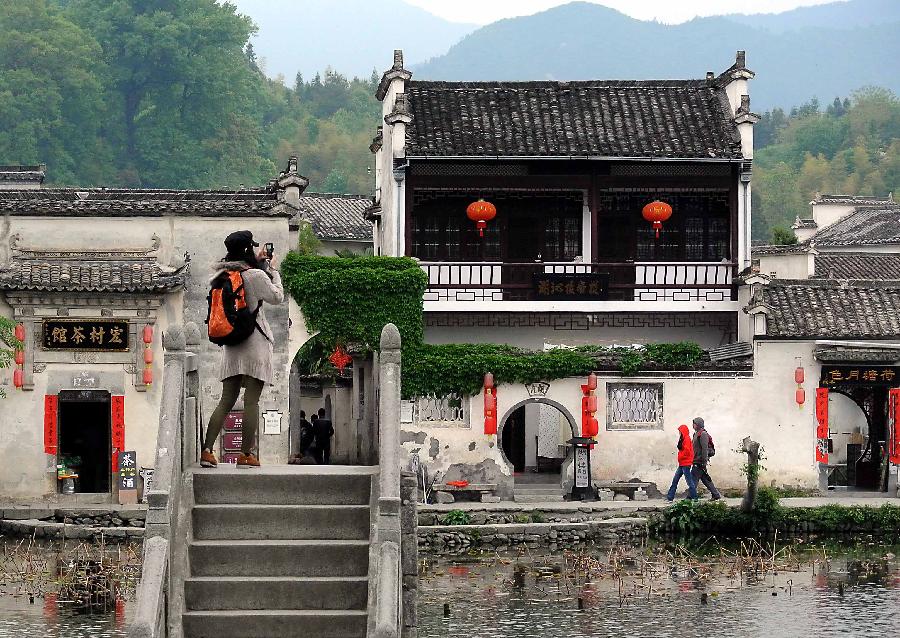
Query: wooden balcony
x,y
574,286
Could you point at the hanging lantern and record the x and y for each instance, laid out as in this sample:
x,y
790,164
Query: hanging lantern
x,y
799,375
148,376
657,212
488,380
490,405
148,334
592,381
340,359
148,355
800,396
18,377
20,357
20,332
481,212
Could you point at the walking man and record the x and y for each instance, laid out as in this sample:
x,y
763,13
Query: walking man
x,y
703,449
685,460
323,432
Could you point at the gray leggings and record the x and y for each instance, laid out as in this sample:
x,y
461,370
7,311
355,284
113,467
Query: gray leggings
x,y
231,388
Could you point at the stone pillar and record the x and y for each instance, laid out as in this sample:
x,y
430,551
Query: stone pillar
x,y
409,552
389,421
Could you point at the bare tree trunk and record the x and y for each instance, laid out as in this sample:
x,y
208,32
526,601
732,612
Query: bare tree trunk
x,y
751,449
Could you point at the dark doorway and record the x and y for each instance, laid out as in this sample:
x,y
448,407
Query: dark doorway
x,y
514,439
85,438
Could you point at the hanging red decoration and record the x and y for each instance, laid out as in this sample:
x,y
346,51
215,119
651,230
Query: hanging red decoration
x,y
800,396
490,405
481,212
340,359
657,212
20,357
148,355
799,375
148,334
148,376
20,331
589,425
894,425
18,377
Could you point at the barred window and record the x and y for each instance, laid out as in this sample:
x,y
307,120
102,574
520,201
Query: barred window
x,y
634,406
435,411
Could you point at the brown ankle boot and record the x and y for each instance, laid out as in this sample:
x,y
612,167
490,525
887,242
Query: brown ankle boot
x,y
247,460
208,459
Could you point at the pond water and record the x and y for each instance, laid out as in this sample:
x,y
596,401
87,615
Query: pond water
x,y
663,591
41,585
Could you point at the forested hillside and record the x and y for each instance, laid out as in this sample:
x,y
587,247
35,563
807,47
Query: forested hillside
x,y
168,94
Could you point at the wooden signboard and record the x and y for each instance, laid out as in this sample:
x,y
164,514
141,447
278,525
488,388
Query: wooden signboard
x,y
85,335
128,477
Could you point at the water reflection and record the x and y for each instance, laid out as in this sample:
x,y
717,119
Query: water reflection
x,y
792,591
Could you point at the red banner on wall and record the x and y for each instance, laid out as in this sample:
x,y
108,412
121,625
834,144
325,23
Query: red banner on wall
x,y
117,416
822,425
894,425
51,416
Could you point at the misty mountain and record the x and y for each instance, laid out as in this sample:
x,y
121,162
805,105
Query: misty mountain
x,y
821,51
351,36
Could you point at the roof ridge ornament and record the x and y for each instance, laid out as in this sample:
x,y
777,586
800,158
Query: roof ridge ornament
x,y
395,72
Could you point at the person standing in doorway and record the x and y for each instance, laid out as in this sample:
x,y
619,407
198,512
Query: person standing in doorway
x,y
685,461
247,364
323,431
703,449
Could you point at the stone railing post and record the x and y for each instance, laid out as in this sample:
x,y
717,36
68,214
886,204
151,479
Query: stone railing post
x,y
388,598
409,552
192,417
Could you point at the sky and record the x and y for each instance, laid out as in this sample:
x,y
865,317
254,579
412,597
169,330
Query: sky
x,y
668,11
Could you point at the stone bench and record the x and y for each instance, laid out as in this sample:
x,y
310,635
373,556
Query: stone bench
x,y
485,491
636,490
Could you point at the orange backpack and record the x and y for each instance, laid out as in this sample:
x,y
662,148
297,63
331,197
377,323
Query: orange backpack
x,y
228,320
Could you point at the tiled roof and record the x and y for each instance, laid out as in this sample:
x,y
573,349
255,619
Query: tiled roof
x,y
868,355
858,266
121,202
853,200
827,309
804,223
336,217
863,227
18,174
778,249
616,118
91,275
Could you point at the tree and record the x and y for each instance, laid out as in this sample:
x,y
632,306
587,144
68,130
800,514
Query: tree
x,y
782,236
307,242
336,182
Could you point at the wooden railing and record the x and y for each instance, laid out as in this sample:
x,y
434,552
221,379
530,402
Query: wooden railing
x,y
564,281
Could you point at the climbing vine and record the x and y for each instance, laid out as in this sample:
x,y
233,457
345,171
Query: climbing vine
x,y
348,300
8,343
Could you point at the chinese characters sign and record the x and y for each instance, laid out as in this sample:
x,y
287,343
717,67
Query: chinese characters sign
x,y
107,335
127,470
571,286
861,375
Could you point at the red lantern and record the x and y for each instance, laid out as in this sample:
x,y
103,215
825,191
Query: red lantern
x,y
488,380
148,355
490,405
148,376
592,382
801,396
799,375
657,212
20,357
18,377
20,332
148,334
481,212
340,359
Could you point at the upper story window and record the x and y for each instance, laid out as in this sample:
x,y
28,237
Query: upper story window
x,y
530,226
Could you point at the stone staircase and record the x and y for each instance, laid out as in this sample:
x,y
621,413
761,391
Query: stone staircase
x,y
537,493
278,551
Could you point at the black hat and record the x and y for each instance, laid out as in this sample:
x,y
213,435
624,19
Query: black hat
x,y
239,241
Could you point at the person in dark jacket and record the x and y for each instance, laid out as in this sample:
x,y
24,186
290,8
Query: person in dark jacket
x,y
685,461
323,431
701,458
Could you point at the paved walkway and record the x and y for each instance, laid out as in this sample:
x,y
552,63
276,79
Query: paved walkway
x,y
625,506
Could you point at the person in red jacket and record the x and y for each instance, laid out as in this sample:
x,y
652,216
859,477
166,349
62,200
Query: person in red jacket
x,y
685,461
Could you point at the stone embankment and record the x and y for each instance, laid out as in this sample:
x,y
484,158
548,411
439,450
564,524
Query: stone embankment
x,y
98,522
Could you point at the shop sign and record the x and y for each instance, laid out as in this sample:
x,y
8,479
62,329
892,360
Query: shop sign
x,y
128,470
582,471
85,335
560,286
537,390
860,375
117,419
234,421
231,441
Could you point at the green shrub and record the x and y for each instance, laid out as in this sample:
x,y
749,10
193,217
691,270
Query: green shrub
x,y
456,517
537,516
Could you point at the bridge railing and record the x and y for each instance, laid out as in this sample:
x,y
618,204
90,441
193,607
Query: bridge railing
x,y
176,448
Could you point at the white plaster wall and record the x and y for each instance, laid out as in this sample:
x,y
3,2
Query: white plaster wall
x,y
534,338
761,406
785,266
827,214
330,247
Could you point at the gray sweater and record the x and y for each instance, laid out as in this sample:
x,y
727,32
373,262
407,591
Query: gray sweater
x,y
701,447
253,357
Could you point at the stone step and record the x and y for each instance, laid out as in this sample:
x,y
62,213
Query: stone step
x,y
283,485
275,592
275,623
279,557
549,489
538,498
285,522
